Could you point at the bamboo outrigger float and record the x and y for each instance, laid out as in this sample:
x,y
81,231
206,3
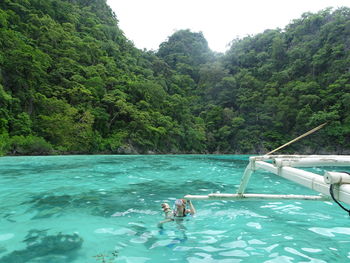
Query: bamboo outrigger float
x,y
328,184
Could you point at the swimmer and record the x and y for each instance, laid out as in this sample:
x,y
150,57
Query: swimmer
x,y
178,212
180,208
168,213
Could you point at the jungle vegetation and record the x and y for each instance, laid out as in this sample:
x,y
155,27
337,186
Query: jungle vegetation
x,y
72,83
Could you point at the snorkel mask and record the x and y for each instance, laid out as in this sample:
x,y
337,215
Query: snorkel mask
x,y
179,202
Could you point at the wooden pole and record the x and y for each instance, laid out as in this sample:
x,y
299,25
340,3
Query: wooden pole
x,y
245,178
256,197
298,138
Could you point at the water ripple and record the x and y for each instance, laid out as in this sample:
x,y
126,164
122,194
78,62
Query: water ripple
x,y
114,203
329,232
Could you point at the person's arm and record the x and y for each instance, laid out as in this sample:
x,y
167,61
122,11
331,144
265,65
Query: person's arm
x,y
192,209
160,224
167,213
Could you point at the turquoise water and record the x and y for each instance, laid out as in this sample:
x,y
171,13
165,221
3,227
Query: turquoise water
x,y
106,209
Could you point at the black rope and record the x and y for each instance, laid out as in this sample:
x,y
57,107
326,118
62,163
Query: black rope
x,y
332,195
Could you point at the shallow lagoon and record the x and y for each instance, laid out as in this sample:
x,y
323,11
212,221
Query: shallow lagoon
x,y
106,209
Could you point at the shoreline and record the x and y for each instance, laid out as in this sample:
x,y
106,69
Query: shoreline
x,y
345,152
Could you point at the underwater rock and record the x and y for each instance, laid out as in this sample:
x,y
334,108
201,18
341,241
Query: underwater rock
x,y
7,215
34,235
39,244
114,201
164,189
48,212
96,203
49,200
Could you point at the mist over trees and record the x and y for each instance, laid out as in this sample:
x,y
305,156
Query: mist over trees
x,y
71,82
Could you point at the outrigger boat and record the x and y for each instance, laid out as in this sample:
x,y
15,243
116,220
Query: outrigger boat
x,y
335,185
331,184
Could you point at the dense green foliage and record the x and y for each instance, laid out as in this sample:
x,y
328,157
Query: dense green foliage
x,y
280,84
70,82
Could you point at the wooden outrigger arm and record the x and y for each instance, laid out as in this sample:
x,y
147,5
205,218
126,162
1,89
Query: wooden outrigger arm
x,y
285,166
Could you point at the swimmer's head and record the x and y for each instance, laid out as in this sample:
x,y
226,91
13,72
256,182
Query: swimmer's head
x,y
180,202
165,206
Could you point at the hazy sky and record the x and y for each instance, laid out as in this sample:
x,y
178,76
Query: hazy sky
x,y
149,23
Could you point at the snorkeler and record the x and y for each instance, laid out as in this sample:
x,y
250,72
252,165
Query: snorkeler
x,y
178,212
180,208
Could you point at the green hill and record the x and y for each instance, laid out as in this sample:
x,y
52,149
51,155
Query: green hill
x,y
70,82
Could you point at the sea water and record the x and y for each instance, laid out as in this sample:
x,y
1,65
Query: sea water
x,y
106,209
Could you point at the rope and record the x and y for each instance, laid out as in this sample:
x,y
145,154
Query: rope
x,y
335,200
298,138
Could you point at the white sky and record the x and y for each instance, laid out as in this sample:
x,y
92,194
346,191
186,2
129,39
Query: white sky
x,y
150,22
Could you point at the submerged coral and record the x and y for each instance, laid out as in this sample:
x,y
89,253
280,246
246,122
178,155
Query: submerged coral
x,y
114,201
41,245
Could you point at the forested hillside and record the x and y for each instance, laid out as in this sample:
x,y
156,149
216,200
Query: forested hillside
x,y
70,82
281,83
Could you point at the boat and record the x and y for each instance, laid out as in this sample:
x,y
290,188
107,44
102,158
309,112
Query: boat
x,y
329,185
